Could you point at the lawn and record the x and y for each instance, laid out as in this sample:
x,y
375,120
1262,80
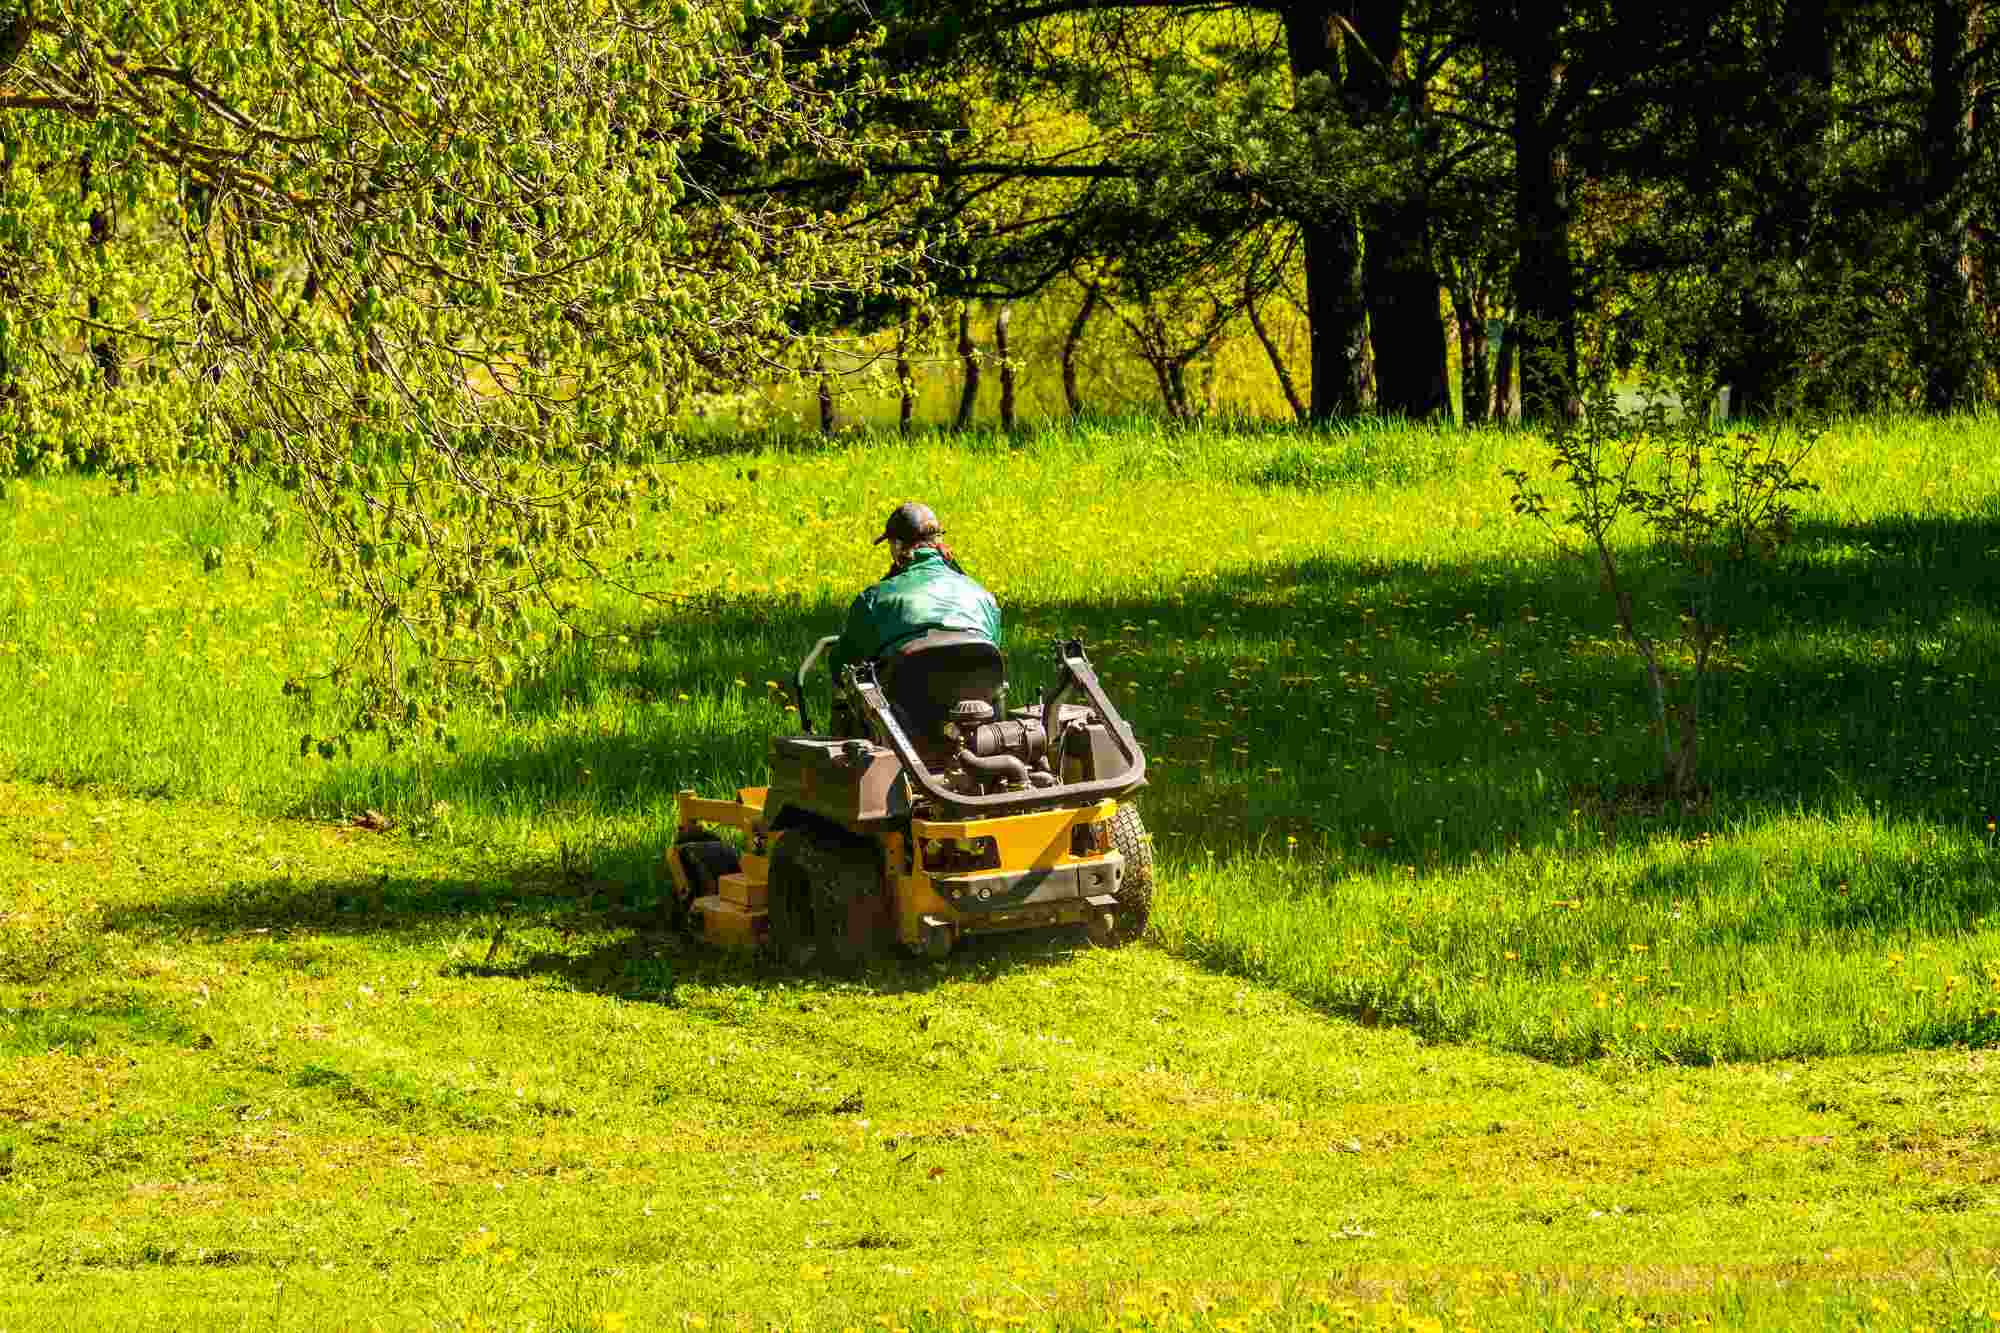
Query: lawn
x,y
1431,1025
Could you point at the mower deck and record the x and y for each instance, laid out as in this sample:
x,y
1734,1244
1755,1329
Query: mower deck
x,y
944,879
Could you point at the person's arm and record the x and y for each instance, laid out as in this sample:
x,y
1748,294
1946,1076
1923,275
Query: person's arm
x,y
992,613
857,643
857,638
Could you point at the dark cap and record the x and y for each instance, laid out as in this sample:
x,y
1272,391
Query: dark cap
x,y
909,522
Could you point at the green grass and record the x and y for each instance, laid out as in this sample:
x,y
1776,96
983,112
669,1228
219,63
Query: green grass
x,y
1402,905
1387,728
303,1074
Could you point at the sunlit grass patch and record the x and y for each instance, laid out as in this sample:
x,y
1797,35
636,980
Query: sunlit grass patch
x,y
1804,935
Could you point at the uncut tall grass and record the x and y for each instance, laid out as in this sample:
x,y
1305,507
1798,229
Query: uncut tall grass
x,y
1387,725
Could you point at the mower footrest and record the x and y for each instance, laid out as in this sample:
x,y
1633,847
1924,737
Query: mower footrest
x,y
730,925
744,891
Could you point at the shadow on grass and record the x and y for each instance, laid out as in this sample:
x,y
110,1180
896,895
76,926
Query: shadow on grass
x,y
1898,573
287,909
753,639
1939,891
614,939
650,963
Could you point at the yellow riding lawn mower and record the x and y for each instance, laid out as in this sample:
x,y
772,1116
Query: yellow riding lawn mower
x,y
927,812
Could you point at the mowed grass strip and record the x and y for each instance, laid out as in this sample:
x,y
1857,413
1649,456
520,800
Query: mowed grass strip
x,y
300,1075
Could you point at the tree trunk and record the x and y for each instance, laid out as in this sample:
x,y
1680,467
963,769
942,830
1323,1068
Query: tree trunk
x,y
829,419
1366,374
1278,366
1071,343
906,381
1503,377
1473,385
968,353
1399,280
1006,368
1947,350
1335,318
1405,323
9,155
103,347
1985,265
1479,378
1543,329
1335,314
1151,336
1757,374
1177,399
1983,231
1149,333
1162,379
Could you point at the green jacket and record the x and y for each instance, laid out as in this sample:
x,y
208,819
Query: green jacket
x,y
929,593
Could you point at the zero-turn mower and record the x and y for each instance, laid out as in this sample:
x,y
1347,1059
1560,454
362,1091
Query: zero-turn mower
x,y
928,811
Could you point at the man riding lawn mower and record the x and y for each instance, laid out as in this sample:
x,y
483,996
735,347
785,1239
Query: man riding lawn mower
x,y
928,810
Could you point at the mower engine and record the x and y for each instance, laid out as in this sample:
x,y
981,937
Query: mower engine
x,y
1028,749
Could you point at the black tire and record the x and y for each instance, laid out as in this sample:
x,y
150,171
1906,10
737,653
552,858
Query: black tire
x,y
1135,892
815,880
705,859
789,903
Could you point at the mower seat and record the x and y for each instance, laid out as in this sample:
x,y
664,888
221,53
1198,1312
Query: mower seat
x,y
924,677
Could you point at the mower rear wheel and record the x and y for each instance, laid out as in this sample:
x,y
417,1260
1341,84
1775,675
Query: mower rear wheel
x,y
828,905
1135,892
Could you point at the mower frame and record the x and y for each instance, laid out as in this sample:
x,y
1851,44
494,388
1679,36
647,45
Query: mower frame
x,y
970,863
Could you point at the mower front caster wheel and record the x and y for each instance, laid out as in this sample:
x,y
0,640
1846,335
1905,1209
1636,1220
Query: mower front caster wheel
x,y
704,859
936,942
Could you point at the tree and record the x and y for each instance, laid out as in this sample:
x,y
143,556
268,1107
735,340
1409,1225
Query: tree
x,y
1808,165
1821,175
1074,131
455,271
1714,503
